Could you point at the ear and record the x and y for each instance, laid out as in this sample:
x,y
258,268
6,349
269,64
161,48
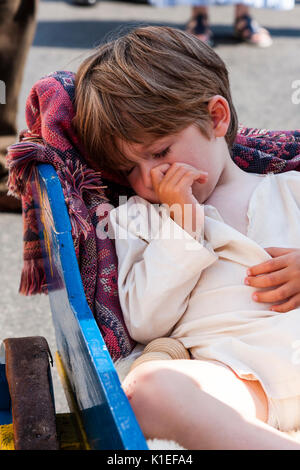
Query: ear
x,y
219,111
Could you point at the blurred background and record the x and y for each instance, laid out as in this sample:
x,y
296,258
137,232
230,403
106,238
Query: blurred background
x,y
262,81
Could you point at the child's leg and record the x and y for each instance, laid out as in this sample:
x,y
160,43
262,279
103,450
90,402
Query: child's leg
x,y
201,405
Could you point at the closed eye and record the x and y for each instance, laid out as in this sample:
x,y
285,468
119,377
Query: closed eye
x,y
163,153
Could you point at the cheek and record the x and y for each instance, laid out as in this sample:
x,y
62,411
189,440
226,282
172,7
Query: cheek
x,y
135,183
199,158
203,190
138,186
140,189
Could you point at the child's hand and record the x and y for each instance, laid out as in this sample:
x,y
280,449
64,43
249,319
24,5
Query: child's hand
x,y
172,183
173,187
284,272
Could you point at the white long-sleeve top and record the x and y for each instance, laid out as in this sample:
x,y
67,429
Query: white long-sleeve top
x,y
171,284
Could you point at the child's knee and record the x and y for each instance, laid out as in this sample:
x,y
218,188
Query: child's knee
x,y
145,390
159,394
156,387
142,384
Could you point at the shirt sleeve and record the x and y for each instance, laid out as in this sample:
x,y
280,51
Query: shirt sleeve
x,y
159,264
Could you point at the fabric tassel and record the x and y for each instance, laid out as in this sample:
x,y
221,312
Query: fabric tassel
x,y
78,178
33,278
20,161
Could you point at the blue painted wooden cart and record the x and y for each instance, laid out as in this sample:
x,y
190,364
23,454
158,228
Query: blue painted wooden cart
x,y
89,375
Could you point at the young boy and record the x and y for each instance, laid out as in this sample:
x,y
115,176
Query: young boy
x,y
155,105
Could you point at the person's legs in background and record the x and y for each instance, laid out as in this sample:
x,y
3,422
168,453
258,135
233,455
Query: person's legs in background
x,y
245,28
17,28
199,24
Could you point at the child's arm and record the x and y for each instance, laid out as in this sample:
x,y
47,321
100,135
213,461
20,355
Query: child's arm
x,y
282,272
156,272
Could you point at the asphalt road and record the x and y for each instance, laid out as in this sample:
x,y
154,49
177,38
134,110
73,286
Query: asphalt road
x,y
262,88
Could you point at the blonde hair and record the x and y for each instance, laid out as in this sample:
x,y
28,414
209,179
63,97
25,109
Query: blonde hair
x,y
149,83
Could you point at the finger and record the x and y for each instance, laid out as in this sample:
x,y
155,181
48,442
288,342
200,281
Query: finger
x,y
157,174
267,266
174,174
160,170
163,177
277,251
177,170
203,177
292,303
183,179
276,295
190,177
275,278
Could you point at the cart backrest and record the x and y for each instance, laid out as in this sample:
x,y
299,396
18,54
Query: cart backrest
x,y
107,417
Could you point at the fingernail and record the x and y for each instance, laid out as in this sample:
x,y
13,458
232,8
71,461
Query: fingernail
x,y
255,297
248,272
246,282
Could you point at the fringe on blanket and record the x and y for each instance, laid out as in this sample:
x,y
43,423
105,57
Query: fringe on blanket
x,y
33,278
21,160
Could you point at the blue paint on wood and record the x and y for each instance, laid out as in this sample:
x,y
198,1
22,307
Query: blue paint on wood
x,y
108,418
5,402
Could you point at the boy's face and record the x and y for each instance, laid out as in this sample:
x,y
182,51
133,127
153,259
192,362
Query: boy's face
x,y
188,146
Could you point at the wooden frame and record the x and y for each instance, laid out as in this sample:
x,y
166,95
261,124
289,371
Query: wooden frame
x,y
106,414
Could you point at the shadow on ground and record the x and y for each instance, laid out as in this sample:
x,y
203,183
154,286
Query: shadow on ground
x,y
87,34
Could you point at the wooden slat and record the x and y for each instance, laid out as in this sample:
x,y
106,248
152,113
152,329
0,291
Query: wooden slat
x,y
108,419
30,387
68,434
72,402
